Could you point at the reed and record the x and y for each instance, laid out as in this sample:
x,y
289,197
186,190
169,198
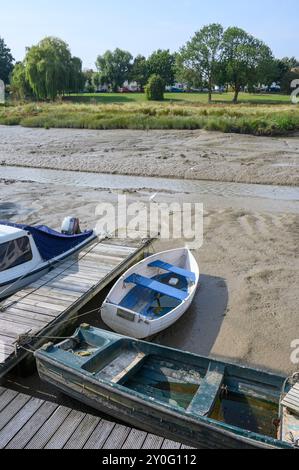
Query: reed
x,y
263,120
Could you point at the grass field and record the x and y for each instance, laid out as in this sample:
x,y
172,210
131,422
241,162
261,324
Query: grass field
x,y
268,115
110,98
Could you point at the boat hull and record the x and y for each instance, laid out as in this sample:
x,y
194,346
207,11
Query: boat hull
x,y
137,326
11,288
157,421
132,323
198,401
15,285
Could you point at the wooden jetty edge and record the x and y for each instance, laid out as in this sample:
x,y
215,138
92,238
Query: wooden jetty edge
x,y
39,310
32,423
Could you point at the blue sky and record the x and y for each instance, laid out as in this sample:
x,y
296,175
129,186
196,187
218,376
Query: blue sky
x,y
141,26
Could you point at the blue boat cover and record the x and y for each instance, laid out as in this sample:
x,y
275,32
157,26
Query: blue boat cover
x,y
50,243
173,269
156,286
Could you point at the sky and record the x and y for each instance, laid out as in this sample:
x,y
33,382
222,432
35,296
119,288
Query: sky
x,y
91,27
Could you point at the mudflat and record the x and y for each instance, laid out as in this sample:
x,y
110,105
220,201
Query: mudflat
x,y
247,306
193,155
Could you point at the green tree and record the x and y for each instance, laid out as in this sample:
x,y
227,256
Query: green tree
x,y
114,67
246,60
162,63
88,76
49,66
6,62
187,75
155,88
202,54
76,77
140,71
285,69
19,83
96,80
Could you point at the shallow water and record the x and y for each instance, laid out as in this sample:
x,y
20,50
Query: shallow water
x,y
9,210
108,181
247,413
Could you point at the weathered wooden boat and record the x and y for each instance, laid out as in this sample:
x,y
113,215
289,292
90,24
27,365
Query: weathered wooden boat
x,y
28,252
152,295
195,400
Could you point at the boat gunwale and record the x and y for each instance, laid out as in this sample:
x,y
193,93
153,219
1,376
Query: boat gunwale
x,y
191,290
227,430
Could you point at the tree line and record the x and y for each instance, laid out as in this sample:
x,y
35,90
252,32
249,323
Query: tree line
x,y
214,56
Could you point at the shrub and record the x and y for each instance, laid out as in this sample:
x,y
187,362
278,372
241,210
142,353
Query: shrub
x,y
155,88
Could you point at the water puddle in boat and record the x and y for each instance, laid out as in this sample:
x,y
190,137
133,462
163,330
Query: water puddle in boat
x,y
247,413
121,182
165,382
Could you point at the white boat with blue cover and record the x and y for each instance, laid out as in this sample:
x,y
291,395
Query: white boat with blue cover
x,y
153,294
28,252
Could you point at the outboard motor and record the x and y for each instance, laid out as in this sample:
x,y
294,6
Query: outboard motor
x,y
71,226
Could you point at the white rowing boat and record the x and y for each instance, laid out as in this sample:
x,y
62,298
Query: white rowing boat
x,y
153,294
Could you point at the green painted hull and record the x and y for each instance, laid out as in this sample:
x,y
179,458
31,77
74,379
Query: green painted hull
x,y
184,397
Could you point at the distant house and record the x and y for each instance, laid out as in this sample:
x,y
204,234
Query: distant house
x,y
296,69
132,87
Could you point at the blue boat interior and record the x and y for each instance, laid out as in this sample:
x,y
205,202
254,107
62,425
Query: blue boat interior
x,y
173,269
155,297
50,243
228,395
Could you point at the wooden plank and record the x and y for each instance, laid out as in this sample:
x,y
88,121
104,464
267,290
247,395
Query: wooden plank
x,y
65,431
39,306
171,445
11,329
6,398
67,287
12,409
32,427
152,442
55,291
291,400
30,312
82,432
20,419
13,317
135,439
139,358
43,305
117,437
58,301
72,279
33,307
40,440
7,341
99,435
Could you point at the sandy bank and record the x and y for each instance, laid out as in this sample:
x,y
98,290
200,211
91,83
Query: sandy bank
x,y
247,306
178,154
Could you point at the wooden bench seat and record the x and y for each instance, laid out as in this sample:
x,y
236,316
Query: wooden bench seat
x,y
173,269
209,390
156,286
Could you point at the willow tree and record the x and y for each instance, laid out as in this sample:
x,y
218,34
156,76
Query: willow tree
x,y
19,83
50,68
